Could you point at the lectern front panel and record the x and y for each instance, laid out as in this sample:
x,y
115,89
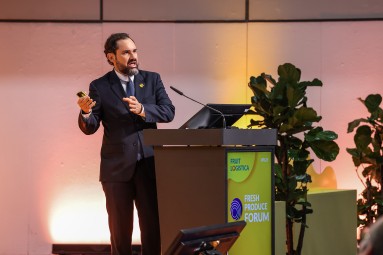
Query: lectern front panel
x,y
191,188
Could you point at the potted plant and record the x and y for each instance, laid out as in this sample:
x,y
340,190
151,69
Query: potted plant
x,y
284,107
368,159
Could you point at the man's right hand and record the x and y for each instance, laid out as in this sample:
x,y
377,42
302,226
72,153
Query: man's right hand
x,y
86,104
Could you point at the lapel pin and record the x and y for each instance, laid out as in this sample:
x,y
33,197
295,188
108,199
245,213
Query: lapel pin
x,y
141,85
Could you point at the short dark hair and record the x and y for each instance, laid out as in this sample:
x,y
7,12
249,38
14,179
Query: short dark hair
x,y
111,43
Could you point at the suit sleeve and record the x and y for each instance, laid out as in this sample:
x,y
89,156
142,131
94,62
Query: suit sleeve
x,y
90,125
162,110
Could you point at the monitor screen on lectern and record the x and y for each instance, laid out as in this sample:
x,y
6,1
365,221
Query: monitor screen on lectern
x,y
199,240
207,118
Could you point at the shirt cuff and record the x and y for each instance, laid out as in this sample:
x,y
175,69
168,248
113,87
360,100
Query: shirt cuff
x,y
86,115
142,109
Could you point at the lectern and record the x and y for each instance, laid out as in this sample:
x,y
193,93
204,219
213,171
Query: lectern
x,y
193,168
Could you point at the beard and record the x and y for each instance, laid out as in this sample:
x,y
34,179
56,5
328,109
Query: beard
x,y
122,68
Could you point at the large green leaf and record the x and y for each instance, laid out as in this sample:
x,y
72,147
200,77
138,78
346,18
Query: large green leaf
x,y
258,86
372,102
257,80
357,161
317,134
285,128
304,202
278,110
298,154
326,150
294,95
289,73
353,151
294,142
355,123
362,137
278,94
306,114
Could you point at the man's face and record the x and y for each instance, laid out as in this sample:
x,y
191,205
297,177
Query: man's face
x,y
125,60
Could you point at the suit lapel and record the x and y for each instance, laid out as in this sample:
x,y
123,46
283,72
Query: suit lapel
x,y
139,86
116,87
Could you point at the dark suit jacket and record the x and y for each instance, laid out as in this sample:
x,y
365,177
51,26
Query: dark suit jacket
x,y
124,130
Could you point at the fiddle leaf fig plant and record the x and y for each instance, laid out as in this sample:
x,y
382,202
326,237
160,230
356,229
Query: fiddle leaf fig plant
x,y
368,159
283,106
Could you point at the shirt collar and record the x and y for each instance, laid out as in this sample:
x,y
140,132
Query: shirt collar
x,y
123,77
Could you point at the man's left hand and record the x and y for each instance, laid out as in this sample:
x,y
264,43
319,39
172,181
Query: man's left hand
x,y
134,106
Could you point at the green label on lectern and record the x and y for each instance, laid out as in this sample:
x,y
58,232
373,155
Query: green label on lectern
x,y
249,198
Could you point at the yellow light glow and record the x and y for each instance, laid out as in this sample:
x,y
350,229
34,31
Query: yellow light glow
x,y
244,121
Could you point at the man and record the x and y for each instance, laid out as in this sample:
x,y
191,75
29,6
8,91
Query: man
x,y
372,243
126,101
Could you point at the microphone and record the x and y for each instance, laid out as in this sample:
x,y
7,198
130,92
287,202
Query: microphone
x,y
211,108
176,90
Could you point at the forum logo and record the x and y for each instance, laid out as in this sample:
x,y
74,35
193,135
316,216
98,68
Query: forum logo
x,y
236,209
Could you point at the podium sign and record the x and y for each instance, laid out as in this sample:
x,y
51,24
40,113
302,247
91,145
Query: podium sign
x,y
250,198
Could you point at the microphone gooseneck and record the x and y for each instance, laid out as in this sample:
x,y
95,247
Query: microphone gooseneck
x,y
211,108
176,90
